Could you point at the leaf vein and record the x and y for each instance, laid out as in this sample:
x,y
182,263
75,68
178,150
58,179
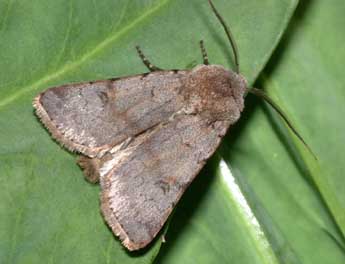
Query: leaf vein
x,y
69,67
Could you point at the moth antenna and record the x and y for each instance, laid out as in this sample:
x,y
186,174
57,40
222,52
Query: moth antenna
x,y
204,53
146,61
228,34
276,107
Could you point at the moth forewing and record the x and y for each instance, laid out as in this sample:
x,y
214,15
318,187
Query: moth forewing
x,y
93,117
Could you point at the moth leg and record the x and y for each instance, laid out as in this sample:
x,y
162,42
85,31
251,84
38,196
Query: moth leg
x,y
147,63
204,53
90,167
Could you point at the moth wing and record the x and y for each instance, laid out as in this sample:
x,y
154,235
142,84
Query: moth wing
x,y
141,184
93,117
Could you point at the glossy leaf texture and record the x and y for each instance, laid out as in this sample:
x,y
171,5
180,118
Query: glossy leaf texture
x,y
48,213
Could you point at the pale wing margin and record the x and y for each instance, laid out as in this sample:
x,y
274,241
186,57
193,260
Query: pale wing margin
x,y
141,184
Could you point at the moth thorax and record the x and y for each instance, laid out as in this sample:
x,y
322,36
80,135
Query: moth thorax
x,y
215,91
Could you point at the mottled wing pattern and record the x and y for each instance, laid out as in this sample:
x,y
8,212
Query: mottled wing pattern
x,y
92,117
144,137
142,184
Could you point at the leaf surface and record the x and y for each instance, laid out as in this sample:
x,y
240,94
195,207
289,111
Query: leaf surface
x,y
50,214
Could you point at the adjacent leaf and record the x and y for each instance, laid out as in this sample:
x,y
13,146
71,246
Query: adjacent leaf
x,y
317,75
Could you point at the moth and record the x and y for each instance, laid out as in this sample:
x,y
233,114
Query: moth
x,y
146,137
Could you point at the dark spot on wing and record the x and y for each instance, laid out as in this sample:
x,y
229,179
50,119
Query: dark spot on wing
x,y
104,97
164,186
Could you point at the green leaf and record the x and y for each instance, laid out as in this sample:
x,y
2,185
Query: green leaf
x,y
50,214
306,78
318,117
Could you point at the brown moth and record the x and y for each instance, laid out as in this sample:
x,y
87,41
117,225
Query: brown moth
x,y
145,137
